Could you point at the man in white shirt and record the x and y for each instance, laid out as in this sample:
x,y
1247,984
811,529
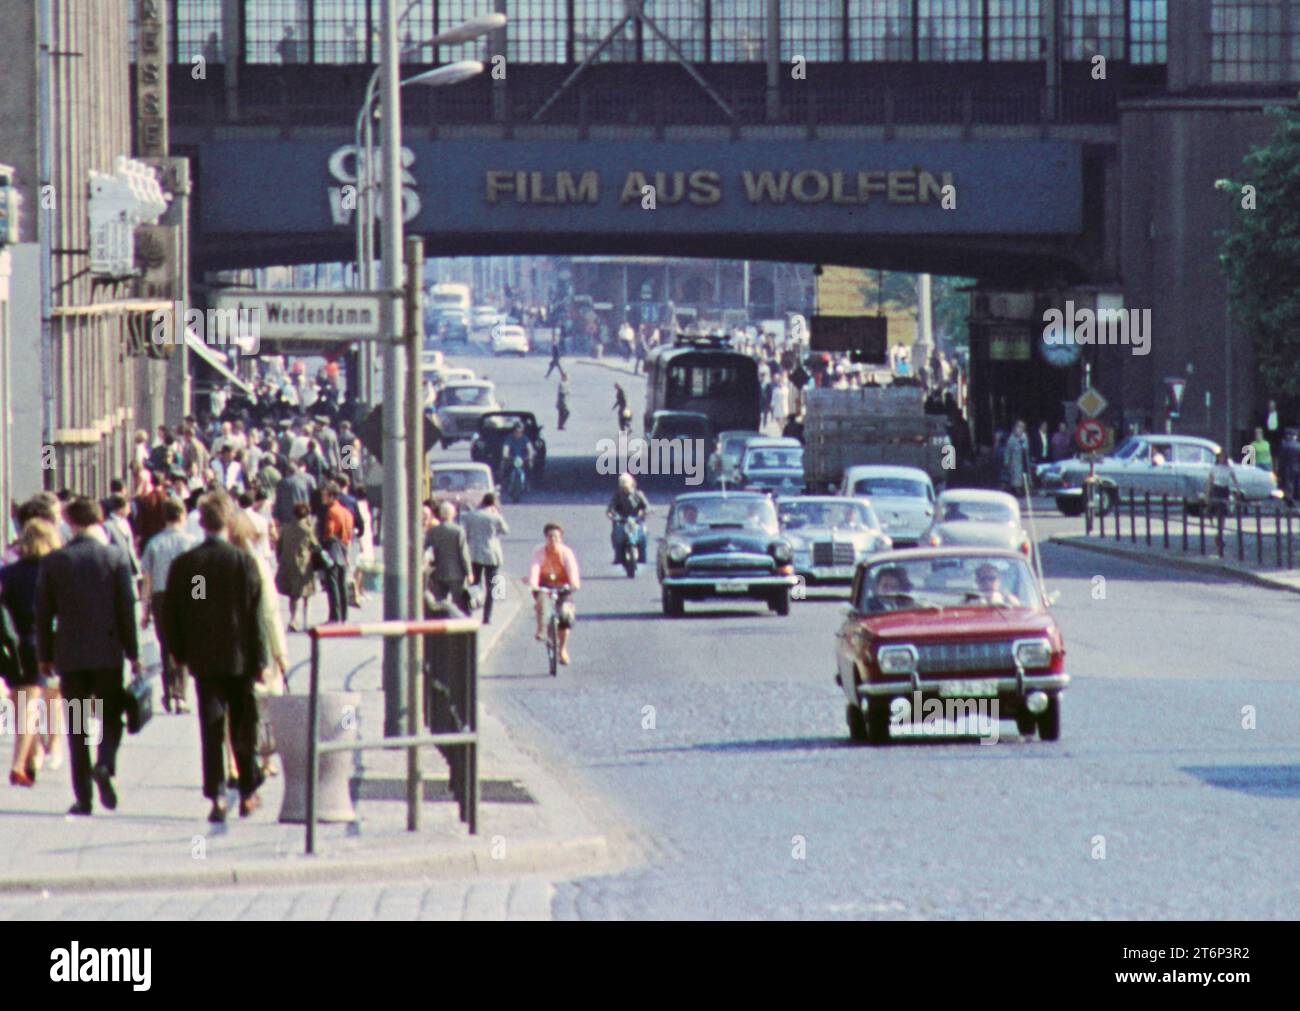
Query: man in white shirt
x,y
229,472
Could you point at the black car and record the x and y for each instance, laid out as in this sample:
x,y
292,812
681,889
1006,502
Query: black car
x,y
495,428
724,544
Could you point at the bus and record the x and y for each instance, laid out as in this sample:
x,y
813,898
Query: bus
x,y
704,375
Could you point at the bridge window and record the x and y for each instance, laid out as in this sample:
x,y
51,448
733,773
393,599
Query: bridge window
x,y
537,33
813,29
341,31
1093,27
1015,30
880,30
740,31
277,31
198,31
1246,39
1148,31
950,30
683,22
450,14
592,21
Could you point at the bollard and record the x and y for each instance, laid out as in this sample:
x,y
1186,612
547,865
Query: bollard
x,y
1087,516
1290,564
1184,526
1117,504
1219,538
1259,538
1132,516
1277,538
1164,515
1201,518
1146,508
1241,540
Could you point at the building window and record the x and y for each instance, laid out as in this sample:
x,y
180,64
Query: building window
x,y
813,29
1015,30
197,31
950,30
1148,31
340,31
880,30
1246,41
1093,28
592,21
683,22
277,31
450,13
739,31
537,33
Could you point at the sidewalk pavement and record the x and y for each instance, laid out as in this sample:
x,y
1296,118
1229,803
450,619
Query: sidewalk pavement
x,y
1246,571
159,836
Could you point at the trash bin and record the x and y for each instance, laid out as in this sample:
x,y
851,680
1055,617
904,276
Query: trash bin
x,y
451,693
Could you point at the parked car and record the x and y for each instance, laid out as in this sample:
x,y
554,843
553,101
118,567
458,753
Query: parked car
x,y
495,427
903,498
1174,465
727,451
465,484
459,407
772,465
509,339
966,626
830,535
976,518
724,544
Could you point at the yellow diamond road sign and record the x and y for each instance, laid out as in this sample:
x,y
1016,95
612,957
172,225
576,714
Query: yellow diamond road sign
x,y
1091,403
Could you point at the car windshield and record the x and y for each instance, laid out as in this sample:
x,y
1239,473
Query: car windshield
x,y
702,514
467,396
976,512
774,459
843,515
1128,448
889,487
955,581
680,428
461,480
733,446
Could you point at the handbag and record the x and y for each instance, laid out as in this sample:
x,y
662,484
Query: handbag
x,y
321,561
137,704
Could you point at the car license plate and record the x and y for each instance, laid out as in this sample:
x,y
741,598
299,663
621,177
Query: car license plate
x,y
968,689
732,587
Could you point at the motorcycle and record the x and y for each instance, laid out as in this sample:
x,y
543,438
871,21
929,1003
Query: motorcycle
x,y
516,479
631,537
625,420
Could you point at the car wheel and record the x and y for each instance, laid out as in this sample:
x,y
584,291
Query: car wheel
x,y
1026,724
780,603
1070,506
672,601
1049,724
1108,501
857,724
877,721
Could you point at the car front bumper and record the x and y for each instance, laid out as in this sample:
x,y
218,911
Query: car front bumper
x,y
1002,685
729,586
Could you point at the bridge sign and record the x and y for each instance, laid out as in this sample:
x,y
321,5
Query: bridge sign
x,y
315,316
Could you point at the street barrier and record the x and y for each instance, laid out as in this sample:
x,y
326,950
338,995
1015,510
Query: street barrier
x,y
1273,520
463,742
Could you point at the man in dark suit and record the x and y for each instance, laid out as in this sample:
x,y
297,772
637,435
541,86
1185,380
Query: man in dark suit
x,y
87,589
299,486
211,608
452,571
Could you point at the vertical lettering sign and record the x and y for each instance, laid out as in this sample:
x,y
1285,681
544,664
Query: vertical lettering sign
x,y
151,78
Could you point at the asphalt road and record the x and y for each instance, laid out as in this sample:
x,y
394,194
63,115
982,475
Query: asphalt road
x,y
721,738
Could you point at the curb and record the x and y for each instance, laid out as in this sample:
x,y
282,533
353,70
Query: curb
x,y
566,856
1190,564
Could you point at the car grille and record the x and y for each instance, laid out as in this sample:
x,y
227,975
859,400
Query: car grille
x,y
949,658
826,553
729,562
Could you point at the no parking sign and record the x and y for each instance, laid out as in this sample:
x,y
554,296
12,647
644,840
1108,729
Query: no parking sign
x,y
1090,435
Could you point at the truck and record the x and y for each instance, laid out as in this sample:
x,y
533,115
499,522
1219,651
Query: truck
x,y
882,424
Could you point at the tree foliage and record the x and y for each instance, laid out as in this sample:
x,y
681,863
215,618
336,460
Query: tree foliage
x,y
1260,255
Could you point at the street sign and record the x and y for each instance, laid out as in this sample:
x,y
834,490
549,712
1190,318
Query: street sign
x,y
1174,387
1091,402
315,316
1090,435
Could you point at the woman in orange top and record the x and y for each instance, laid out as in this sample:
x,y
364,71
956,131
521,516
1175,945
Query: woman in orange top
x,y
555,566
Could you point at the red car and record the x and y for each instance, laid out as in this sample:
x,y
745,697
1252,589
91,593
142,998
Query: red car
x,y
957,632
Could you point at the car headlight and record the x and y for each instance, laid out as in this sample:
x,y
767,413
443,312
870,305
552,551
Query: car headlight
x,y
782,552
897,659
797,542
678,551
1033,653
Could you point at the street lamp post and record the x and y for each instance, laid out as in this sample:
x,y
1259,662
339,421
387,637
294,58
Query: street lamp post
x,y
396,368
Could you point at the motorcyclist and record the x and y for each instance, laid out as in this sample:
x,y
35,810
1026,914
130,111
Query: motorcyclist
x,y
621,408
627,501
517,446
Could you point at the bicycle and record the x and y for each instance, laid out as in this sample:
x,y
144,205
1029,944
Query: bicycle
x,y
554,593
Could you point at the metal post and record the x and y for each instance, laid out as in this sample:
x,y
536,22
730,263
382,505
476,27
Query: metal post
x,y
414,563
1184,526
1241,541
1201,524
1259,537
773,60
1147,509
1164,515
1290,563
394,518
1132,517
1277,535
1119,516
313,758
1219,539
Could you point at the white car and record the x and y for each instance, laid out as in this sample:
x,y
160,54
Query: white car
x,y
977,518
459,407
484,317
903,498
509,339
830,535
